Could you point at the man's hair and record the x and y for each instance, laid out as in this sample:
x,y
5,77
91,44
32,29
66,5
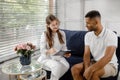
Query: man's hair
x,y
93,14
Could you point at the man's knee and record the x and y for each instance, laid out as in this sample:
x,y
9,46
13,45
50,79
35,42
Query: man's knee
x,y
98,74
76,69
95,74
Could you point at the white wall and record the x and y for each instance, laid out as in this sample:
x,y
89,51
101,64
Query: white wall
x,y
71,13
109,10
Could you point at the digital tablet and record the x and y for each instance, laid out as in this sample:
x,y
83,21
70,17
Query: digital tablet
x,y
61,52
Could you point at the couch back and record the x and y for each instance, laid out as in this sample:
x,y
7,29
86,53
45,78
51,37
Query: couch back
x,y
75,42
118,51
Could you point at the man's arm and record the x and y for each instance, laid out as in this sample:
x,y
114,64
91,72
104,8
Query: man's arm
x,y
86,59
105,59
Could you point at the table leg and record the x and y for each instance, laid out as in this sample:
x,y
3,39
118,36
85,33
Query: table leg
x,y
45,77
18,77
9,77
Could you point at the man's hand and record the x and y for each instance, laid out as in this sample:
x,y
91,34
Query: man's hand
x,y
88,73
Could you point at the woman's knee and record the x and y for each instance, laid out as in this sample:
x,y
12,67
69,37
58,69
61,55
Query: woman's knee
x,y
68,66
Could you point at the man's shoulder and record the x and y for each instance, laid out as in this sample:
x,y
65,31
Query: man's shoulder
x,y
110,32
89,33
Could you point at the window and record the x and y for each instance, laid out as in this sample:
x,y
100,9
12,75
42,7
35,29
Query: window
x,y
21,21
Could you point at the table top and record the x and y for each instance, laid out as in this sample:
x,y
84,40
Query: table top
x,y
15,68
35,76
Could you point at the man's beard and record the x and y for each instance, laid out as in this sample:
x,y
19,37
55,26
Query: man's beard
x,y
93,28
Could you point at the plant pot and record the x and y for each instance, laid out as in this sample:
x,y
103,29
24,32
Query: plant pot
x,y
25,60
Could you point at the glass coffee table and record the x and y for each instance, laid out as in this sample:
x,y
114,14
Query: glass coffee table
x,y
33,71
35,76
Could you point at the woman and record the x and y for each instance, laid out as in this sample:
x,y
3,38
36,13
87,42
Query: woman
x,y
52,41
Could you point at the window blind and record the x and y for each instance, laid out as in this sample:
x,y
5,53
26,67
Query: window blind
x,y
21,21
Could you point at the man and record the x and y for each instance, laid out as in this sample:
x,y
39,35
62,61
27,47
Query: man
x,y
102,44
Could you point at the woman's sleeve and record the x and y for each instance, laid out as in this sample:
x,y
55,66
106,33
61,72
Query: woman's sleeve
x,y
64,47
43,47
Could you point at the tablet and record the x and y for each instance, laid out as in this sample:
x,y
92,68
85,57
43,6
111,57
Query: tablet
x,y
61,52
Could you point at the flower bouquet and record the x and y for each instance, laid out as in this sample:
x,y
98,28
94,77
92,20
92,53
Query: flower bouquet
x,y
25,50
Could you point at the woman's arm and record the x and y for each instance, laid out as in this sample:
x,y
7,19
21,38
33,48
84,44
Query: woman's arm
x,y
43,47
64,47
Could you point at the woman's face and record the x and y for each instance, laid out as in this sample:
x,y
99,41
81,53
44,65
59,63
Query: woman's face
x,y
54,26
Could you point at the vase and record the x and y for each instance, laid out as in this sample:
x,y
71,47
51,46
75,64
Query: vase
x,y
25,60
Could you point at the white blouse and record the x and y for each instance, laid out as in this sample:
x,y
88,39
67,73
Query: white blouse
x,y
57,45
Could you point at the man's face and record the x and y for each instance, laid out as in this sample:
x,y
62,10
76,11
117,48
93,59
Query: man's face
x,y
91,24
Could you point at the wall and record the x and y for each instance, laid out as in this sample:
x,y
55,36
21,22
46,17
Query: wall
x,y
109,10
71,13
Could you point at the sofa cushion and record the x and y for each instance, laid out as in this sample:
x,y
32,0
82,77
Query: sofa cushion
x,y
75,41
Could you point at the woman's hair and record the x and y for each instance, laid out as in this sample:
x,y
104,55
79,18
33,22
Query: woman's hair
x,y
49,36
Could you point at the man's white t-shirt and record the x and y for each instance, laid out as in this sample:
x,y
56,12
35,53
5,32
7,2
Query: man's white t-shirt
x,y
98,44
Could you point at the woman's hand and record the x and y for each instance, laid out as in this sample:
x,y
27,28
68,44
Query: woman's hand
x,y
51,51
67,55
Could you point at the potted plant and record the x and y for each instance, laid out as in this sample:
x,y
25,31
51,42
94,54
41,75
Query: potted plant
x,y
25,50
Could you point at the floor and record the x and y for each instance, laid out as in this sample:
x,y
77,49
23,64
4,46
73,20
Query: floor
x,y
6,77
